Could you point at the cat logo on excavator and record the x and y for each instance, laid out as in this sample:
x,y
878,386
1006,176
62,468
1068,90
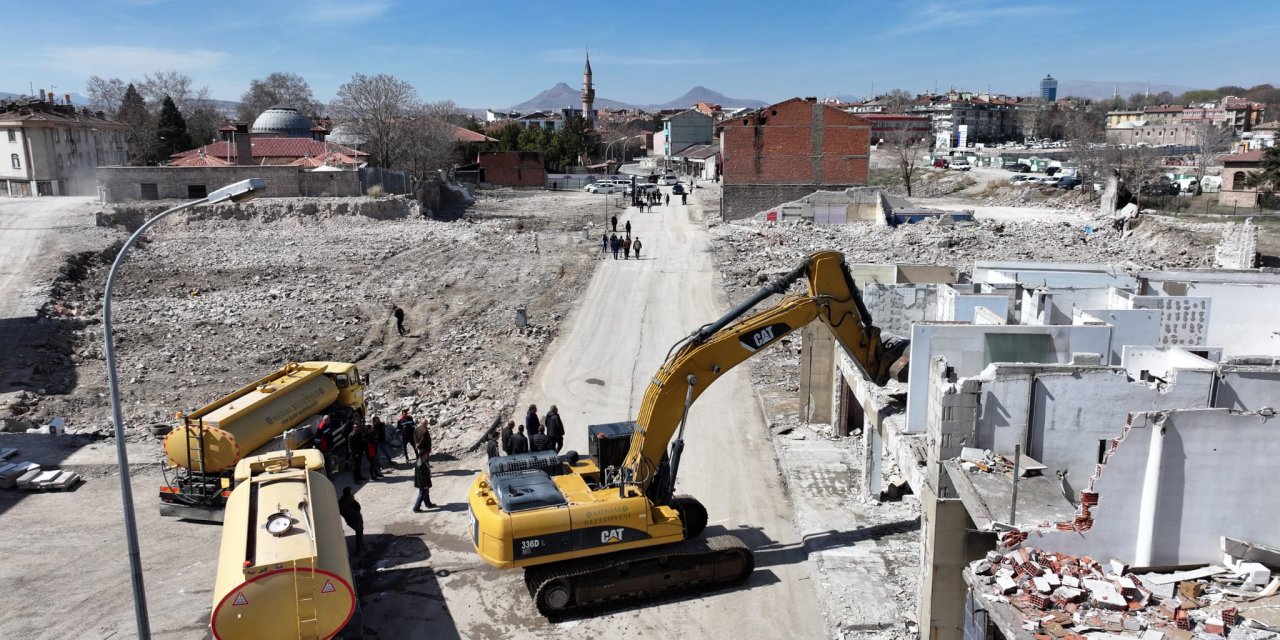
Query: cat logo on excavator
x,y
610,536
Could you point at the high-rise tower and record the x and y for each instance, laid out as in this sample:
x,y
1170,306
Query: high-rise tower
x,y
588,94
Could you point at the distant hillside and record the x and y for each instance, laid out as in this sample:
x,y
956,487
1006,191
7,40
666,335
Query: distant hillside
x,y
1099,90
76,98
703,94
561,96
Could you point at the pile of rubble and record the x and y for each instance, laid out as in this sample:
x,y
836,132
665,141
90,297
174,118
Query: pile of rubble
x,y
1078,200
749,251
1055,595
207,304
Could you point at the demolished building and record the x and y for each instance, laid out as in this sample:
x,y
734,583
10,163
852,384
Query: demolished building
x,y
1133,403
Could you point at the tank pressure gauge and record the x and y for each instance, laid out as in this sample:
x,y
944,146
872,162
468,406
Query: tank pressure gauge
x,y
279,523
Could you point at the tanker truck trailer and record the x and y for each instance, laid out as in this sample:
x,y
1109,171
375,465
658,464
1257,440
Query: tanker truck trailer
x,y
302,404
283,570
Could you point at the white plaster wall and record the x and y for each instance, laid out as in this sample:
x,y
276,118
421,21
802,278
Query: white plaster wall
x,y
1053,275
1245,320
1210,486
1186,319
1066,301
896,307
964,348
965,305
1248,390
1129,327
1160,361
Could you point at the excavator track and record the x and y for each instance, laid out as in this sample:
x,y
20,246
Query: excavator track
x,y
682,567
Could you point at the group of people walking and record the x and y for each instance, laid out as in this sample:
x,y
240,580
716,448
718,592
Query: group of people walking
x,y
624,244
546,434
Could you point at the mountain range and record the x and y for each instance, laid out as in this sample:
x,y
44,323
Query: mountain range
x,y
562,95
1099,90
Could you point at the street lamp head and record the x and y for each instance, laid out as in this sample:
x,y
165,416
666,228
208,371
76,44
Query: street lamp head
x,y
239,192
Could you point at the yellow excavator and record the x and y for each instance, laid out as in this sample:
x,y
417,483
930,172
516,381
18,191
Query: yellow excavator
x,y
611,527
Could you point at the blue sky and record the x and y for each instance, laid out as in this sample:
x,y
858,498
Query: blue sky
x,y
498,53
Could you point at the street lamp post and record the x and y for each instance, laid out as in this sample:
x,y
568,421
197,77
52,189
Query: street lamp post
x,y
237,192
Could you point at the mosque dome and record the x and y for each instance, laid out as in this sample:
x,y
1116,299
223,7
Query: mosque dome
x,y
282,121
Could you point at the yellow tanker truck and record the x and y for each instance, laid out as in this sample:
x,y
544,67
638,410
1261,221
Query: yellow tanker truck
x,y
300,404
283,570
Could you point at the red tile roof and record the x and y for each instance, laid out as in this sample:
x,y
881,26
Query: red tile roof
x,y
462,134
1248,156
199,160
291,148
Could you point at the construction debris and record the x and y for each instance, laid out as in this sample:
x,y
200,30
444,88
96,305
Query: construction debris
x,y
1055,595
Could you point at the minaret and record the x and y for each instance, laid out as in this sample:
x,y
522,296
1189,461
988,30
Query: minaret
x,y
588,94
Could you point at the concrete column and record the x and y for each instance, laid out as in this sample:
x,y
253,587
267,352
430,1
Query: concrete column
x,y
874,464
1142,554
817,369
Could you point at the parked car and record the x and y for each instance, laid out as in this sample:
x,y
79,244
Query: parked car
x,y
1048,181
1019,178
960,165
1160,188
668,179
601,187
1020,167
1069,182
677,189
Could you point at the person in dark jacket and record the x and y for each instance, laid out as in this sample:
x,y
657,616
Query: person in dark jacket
x,y
404,427
422,438
382,440
491,447
507,432
399,314
531,422
371,450
614,221
519,443
349,509
356,453
635,246
422,481
539,441
555,428
615,244
628,227
604,245
626,247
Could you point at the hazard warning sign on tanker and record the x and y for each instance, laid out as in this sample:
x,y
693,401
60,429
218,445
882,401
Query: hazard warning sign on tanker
x,y
240,599
328,587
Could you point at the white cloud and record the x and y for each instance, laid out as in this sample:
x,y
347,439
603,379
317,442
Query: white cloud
x,y
342,12
577,55
127,62
928,17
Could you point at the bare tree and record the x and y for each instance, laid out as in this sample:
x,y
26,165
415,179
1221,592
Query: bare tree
x,y
424,140
203,117
371,107
897,101
906,147
105,94
1028,116
278,88
1212,141
174,84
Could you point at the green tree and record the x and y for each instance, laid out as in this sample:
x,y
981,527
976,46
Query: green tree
x,y
508,137
171,130
1267,178
577,139
140,133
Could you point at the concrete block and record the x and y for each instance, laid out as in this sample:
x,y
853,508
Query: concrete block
x,y
10,474
27,478
1006,585
1255,574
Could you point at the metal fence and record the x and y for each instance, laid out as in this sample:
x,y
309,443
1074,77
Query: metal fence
x,y
1208,207
398,182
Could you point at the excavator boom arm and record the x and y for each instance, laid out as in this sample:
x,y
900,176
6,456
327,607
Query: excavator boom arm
x,y
720,346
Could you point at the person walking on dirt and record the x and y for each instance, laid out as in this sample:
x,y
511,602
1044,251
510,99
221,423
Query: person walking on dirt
x,y
404,427
399,314
555,428
636,246
382,440
614,221
422,482
349,509
626,247
508,432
